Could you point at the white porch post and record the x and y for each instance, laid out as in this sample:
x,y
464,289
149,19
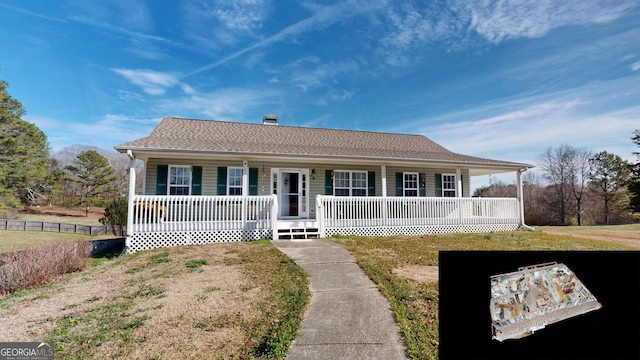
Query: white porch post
x,y
245,190
520,197
383,169
274,217
459,183
132,192
384,195
320,216
245,178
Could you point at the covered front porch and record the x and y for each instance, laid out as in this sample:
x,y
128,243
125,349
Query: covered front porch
x,y
288,202
158,221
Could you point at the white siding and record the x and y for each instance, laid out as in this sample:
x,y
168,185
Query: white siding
x,y
316,186
430,180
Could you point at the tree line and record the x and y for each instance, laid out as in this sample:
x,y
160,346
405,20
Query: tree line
x,y
577,187
30,173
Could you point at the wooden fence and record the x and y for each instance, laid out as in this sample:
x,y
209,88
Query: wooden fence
x,y
21,225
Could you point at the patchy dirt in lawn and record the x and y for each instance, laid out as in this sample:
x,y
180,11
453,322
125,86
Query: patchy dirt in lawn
x,y
419,273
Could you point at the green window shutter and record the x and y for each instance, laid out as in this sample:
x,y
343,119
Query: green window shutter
x,y
372,183
161,179
196,181
253,181
399,184
461,185
438,185
328,183
422,186
222,180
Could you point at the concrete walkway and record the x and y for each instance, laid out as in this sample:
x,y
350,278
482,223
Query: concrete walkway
x,y
348,318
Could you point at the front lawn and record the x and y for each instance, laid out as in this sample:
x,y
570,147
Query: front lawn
x,y
403,267
218,301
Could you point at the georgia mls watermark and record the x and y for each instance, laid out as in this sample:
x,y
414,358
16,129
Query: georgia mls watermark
x,y
26,351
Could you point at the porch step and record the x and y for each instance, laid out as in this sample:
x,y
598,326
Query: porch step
x,y
298,233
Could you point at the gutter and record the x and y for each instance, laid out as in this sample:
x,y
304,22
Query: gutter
x,y
523,226
507,166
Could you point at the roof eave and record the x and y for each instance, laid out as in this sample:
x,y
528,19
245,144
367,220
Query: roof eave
x,y
489,166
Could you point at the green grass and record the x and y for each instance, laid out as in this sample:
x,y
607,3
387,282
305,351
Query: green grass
x,y
192,264
160,258
21,240
414,304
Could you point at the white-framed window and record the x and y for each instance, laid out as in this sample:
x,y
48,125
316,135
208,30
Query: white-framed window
x,y
350,183
448,185
179,180
234,181
410,184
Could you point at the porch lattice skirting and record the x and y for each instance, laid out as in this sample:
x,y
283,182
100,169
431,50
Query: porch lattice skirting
x,y
152,240
420,230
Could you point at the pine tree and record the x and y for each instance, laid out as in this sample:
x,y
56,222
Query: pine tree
x,y
24,153
93,173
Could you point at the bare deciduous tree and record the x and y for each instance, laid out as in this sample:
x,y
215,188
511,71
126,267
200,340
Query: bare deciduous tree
x,y
557,165
579,177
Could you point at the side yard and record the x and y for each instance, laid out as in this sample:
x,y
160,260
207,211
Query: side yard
x,y
622,234
226,301
21,240
406,269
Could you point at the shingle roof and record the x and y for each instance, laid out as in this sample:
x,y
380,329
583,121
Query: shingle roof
x,y
232,137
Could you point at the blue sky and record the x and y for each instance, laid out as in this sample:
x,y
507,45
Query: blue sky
x,y
495,79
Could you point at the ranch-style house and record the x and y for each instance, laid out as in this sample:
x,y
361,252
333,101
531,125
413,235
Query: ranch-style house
x,y
212,181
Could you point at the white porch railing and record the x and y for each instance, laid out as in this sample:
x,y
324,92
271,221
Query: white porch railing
x,y
176,220
401,215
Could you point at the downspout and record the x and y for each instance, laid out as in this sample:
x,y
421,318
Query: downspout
x,y
520,195
132,192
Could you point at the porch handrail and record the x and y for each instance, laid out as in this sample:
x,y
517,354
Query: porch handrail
x,y
162,213
357,212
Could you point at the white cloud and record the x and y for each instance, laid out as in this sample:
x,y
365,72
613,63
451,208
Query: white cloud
x,y
31,13
497,21
187,89
114,129
274,80
308,79
151,82
410,26
324,17
246,15
145,49
226,104
211,23
635,66
340,95
520,129
113,28
104,132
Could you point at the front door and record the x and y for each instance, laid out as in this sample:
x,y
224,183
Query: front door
x,y
290,194
292,186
